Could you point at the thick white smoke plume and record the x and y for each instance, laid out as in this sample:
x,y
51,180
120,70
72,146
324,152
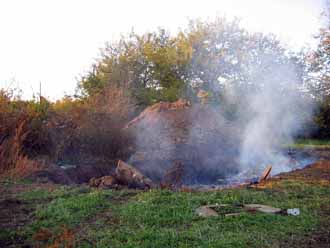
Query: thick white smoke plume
x,y
256,106
276,111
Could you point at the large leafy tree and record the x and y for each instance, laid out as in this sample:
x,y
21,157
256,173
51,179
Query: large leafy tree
x,y
227,56
208,56
151,66
317,76
318,66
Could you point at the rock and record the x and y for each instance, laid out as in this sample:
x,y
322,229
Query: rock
x,y
108,182
206,211
94,182
103,182
125,175
132,177
262,208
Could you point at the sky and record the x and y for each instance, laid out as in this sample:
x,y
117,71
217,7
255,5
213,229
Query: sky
x,y
54,42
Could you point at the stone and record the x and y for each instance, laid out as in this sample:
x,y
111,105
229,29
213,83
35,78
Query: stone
x,y
103,182
206,211
132,177
108,182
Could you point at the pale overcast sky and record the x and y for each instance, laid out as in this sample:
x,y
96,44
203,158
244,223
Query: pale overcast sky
x,y
54,42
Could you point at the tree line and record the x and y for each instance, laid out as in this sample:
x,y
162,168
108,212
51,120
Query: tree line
x,y
211,57
218,59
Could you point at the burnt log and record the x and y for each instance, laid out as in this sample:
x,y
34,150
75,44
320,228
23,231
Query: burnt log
x,y
132,177
265,174
103,182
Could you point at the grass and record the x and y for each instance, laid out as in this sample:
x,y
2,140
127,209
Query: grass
x,y
167,219
310,143
69,210
162,218
61,209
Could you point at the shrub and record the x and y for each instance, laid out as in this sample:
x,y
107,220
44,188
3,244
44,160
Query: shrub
x,y
72,130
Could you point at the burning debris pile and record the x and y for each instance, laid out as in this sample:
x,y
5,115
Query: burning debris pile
x,y
178,144
197,144
198,138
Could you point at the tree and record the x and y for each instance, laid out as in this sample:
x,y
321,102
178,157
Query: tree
x,y
317,77
150,66
317,62
227,56
208,56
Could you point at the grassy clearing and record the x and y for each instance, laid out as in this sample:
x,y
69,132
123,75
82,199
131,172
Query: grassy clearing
x,y
56,210
310,143
69,211
68,208
167,219
161,218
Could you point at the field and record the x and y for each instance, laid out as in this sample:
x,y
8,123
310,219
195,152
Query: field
x,y
164,127
48,215
311,143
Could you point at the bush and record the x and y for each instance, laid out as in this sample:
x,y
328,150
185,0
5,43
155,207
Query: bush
x,y
72,130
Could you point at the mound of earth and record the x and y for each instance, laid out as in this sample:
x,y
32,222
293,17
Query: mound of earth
x,y
194,136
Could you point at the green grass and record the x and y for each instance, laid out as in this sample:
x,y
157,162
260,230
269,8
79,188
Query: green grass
x,y
310,143
65,207
70,210
167,219
161,218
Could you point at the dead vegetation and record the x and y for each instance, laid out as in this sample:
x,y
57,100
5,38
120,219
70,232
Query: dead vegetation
x,y
37,136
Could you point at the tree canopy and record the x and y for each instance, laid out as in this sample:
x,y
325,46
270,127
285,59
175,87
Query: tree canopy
x,y
208,56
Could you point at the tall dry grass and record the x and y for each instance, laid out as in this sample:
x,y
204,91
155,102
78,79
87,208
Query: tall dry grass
x,y
70,131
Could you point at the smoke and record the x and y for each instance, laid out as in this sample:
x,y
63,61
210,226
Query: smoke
x,y
275,114
257,106
152,136
216,147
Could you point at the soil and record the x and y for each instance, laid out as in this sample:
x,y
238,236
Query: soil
x,y
16,213
316,173
72,175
